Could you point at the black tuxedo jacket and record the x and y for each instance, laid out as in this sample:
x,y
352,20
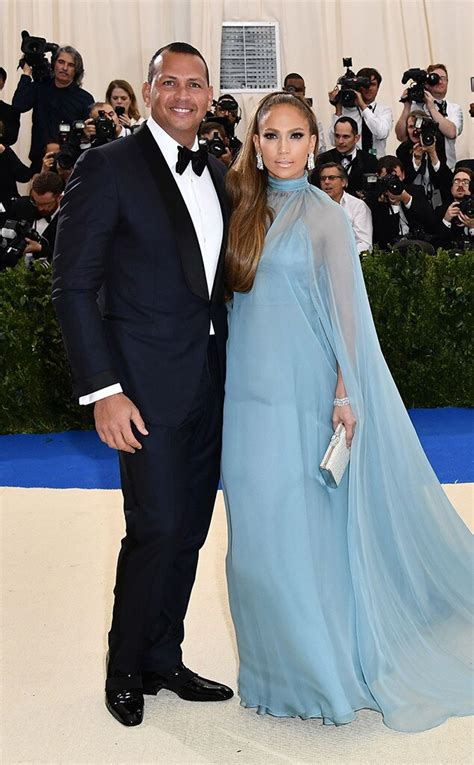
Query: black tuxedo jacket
x,y
363,163
386,224
441,180
125,230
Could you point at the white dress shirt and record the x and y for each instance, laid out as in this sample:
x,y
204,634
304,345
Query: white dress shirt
x,y
360,218
378,118
203,205
453,114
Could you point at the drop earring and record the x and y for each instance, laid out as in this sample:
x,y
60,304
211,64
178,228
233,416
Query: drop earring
x,y
259,161
310,162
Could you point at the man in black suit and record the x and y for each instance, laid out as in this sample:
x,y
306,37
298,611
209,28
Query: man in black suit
x,y
397,215
355,161
144,219
41,210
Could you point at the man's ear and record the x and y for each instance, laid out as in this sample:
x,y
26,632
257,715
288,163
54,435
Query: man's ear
x,y
146,89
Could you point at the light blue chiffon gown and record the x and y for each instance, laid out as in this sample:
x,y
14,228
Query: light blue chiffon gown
x,y
347,598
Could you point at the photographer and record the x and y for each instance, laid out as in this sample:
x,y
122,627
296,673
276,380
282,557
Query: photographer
x,y
374,120
447,115
214,136
228,111
294,83
40,212
103,125
354,161
400,211
9,117
12,171
55,99
455,220
420,159
121,96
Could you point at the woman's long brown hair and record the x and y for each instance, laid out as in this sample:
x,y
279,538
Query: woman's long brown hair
x,y
247,188
133,110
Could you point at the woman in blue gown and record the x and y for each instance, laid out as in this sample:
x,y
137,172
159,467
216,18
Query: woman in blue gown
x,y
347,598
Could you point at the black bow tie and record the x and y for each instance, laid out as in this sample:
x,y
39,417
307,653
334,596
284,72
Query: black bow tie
x,y
197,158
41,216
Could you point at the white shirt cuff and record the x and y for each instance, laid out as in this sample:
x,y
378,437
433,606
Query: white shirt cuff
x,y
407,205
436,166
447,223
97,395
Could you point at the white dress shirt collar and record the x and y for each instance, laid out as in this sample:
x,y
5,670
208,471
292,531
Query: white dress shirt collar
x,y
167,144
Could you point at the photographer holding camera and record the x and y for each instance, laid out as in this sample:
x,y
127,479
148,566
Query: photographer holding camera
x,y
34,220
214,137
103,125
455,220
399,210
227,111
420,159
54,93
355,96
428,94
9,117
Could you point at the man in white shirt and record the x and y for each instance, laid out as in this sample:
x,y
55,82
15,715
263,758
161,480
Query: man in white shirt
x,y
144,220
446,114
374,120
333,180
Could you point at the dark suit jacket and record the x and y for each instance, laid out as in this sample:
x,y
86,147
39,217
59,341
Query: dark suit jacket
x,y
363,163
386,224
441,180
449,236
125,228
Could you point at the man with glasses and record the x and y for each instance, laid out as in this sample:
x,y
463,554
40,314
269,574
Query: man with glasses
x,y
374,120
333,180
446,114
454,226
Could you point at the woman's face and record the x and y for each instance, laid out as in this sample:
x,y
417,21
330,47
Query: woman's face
x,y
284,141
120,97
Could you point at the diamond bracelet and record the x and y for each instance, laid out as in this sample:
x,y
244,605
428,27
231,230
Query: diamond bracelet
x,y
341,401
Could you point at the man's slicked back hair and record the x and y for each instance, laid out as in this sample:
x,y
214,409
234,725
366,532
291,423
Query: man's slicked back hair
x,y
176,47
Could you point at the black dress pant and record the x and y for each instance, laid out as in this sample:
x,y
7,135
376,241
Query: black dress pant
x,y
169,489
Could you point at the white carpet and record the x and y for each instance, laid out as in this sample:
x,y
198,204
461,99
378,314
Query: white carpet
x,y
59,551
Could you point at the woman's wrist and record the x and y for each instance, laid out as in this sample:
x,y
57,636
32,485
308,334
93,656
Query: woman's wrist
x,y
341,401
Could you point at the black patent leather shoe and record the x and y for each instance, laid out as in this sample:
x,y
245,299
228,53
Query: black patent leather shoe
x,y
126,705
187,685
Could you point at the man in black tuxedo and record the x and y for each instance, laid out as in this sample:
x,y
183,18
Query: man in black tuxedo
x,y
407,214
355,161
144,220
40,209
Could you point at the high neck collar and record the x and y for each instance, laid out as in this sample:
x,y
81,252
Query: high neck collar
x,y
291,184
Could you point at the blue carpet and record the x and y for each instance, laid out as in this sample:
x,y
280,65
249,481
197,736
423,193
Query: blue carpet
x,y
78,459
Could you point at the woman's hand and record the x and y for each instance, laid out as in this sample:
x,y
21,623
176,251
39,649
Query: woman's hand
x,y
345,415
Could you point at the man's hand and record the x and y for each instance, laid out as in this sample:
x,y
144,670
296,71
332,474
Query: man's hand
x,y
48,162
396,199
451,212
418,150
32,246
27,69
89,130
2,148
113,416
359,100
465,220
332,100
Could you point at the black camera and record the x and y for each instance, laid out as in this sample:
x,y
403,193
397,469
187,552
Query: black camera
x,y
374,186
215,145
421,78
13,242
69,144
425,129
348,83
466,206
34,50
104,129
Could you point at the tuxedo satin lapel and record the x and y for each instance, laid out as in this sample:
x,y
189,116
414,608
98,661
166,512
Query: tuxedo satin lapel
x,y
188,244
219,185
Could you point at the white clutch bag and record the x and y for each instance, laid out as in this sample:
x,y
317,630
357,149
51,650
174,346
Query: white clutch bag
x,y
336,458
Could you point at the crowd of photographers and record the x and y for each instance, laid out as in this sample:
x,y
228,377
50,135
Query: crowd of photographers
x,y
421,195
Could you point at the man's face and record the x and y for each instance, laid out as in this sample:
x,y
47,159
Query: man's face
x,y
332,183
51,148
461,185
296,85
439,91
46,203
229,114
64,70
179,95
369,94
344,138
